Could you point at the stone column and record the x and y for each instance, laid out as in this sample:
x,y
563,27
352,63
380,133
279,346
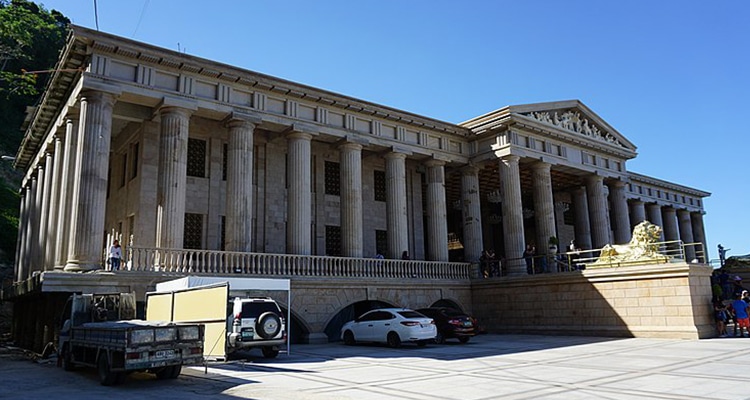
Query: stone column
x,y
472,214
37,244
513,234
437,222
299,207
54,208
31,221
397,217
22,223
671,232
699,235
597,211
654,216
67,189
620,210
351,200
581,218
239,207
90,199
173,145
544,206
44,220
686,233
637,213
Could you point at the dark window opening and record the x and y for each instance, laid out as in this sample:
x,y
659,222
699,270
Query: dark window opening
x,y
196,158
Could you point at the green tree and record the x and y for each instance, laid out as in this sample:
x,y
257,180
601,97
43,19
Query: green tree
x,y
31,38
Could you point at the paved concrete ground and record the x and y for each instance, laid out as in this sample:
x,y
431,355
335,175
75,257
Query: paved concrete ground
x,y
489,367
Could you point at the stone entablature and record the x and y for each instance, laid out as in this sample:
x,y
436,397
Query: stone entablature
x,y
652,190
161,72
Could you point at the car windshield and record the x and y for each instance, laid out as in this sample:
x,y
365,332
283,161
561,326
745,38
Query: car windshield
x,y
255,309
411,314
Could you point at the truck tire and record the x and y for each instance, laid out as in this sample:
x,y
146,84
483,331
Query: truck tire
x,y
67,361
269,352
176,371
106,376
268,325
168,372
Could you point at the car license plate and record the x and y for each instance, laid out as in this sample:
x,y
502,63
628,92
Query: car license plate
x,y
467,323
164,354
247,333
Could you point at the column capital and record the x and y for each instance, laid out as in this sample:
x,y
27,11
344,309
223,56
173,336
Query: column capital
x,y
395,155
434,163
593,178
616,183
99,96
184,112
541,166
237,120
299,135
470,169
510,159
350,146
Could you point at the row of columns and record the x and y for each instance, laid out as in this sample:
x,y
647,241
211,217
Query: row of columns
x,y
66,197
62,203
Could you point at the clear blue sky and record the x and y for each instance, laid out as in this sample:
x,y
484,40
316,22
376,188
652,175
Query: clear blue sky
x,y
672,76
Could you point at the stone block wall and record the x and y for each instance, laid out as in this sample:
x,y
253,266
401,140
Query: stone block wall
x,y
667,300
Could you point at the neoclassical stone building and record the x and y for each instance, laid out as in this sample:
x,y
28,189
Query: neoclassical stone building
x,y
174,151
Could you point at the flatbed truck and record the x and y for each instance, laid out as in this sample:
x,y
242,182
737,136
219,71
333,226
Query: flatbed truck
x,y
99,332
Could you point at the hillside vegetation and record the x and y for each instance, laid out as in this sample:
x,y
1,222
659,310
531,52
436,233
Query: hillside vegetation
x,y
30,40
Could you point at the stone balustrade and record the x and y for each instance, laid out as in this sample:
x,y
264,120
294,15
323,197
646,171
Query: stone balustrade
x,y
242,263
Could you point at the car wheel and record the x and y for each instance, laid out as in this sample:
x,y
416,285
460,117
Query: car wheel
x,y
393,340
67,362
464,339
269,352
349,338
440,338
268,325
106,376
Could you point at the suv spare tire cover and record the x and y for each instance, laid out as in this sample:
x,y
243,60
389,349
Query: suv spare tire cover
x,y
268,325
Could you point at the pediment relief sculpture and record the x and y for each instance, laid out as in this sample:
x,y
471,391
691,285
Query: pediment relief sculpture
x,y
574,121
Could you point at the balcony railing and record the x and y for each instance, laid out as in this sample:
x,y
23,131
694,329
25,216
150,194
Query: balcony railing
x,y
214,262
672,251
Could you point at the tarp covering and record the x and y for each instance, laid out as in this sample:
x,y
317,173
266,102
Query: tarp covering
x,y
235,284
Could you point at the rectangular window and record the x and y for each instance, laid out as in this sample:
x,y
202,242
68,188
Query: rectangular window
x,y
196,158
381,241
333,240
134,160
123,169
223,233
568,216
379,177
224,162
131,228
193,231
333,178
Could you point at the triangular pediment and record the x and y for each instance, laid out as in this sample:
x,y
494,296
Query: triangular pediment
x,y
574,117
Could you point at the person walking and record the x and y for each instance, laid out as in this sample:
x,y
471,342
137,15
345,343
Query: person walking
x,y
115,255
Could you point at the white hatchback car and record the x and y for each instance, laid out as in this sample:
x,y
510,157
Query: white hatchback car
x,y
390,325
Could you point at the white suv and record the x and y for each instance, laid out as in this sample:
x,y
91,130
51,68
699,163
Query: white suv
x,y
255,322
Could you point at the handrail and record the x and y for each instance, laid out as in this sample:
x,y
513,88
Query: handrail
x,y
240,263
672,251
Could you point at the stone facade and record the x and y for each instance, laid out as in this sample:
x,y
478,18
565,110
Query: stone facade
x,y
170,151
666,300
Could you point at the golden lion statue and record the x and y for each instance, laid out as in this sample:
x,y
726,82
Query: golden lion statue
x,y
643,247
